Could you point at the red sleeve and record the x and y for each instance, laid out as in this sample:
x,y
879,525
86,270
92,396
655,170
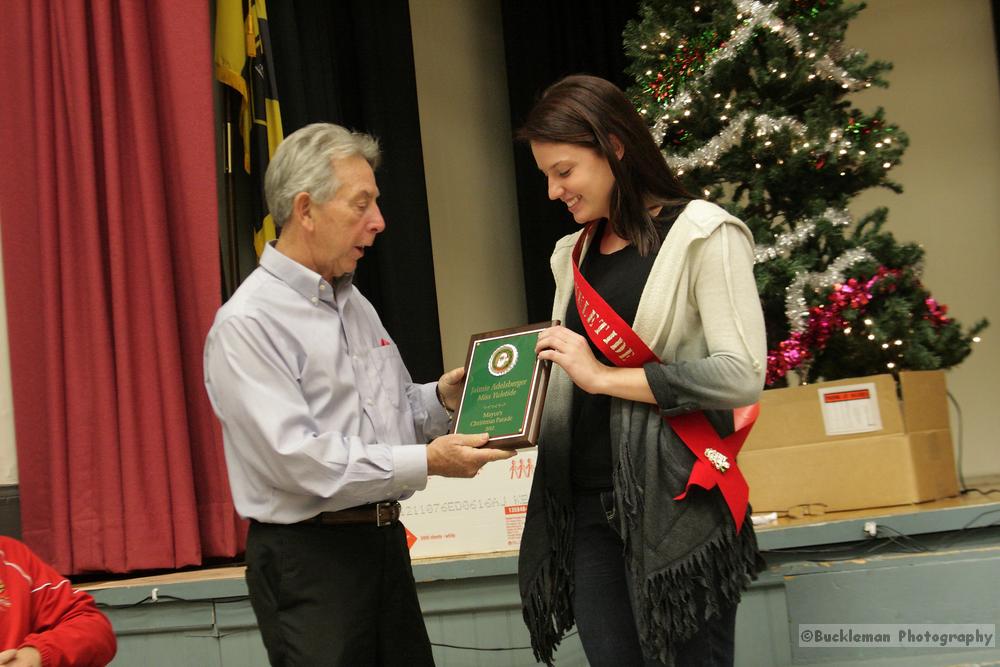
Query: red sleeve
x,y
66,626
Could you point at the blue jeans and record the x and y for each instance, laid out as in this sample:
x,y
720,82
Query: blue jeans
x,y
601,603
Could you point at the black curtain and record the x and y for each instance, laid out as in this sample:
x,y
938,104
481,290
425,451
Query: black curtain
x,y
545,41
351,63
995,6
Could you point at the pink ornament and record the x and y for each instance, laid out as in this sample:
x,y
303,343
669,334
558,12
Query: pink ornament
x,y
823,320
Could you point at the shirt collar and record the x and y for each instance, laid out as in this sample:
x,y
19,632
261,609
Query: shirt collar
x,y
303,280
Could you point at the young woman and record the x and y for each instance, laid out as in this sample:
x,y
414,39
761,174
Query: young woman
x,y
646,578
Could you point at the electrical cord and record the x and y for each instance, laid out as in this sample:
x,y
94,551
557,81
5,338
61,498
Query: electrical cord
x,y
242,598
905,542
173,598
978,517
948,540
820,554
891,537
958,462
502,648
960,449
985,492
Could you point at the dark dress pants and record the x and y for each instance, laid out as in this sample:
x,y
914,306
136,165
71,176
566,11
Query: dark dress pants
x,y
326,596
602,606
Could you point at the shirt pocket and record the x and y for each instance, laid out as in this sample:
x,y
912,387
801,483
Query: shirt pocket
x,y
387,373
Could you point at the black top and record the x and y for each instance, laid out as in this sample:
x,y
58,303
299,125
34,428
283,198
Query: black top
x,y
619,278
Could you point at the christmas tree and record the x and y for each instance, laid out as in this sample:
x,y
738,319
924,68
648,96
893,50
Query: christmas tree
x,y
750,104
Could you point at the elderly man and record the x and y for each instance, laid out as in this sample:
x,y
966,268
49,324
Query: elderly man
x,y
321,421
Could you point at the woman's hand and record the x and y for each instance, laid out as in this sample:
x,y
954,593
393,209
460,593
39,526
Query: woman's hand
x,y
573,354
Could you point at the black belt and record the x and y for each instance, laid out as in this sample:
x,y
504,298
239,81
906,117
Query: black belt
x,y
379,514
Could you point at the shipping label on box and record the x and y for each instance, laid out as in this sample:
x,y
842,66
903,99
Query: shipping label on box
x,y
797,415
850,409
484,514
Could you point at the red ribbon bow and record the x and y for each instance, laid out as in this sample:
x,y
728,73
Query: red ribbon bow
x,y
716,464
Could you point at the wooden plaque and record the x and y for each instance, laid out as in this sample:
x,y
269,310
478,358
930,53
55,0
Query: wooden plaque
x,y
505,386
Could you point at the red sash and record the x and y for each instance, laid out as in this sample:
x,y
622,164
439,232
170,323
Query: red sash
x,y
716,457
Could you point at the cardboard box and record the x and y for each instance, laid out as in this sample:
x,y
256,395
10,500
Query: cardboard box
x,y
485,514
851,444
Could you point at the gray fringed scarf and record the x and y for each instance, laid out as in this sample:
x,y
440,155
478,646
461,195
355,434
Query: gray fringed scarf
x,y
685,558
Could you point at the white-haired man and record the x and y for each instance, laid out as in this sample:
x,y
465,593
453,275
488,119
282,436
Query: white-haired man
x,y
321,421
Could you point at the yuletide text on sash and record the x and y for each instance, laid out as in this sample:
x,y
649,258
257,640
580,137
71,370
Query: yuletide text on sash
x,y
593,321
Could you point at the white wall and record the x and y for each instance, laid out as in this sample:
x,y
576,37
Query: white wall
x,y
469,165
944,93
8,457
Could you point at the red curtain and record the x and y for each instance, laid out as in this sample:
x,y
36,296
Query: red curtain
x,y
110,252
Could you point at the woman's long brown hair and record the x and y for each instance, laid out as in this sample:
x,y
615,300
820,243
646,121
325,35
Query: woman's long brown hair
x,y
592,112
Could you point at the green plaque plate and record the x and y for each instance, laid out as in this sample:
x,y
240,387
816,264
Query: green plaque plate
x,y
504,387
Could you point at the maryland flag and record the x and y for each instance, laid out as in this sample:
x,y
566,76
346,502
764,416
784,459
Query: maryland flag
x,y
244,61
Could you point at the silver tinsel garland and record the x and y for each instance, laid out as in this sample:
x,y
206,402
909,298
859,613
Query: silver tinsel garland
x,y
732,135
805,229
796,307
758,16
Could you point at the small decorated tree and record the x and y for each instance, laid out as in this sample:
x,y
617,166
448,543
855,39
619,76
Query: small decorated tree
x,y
749,102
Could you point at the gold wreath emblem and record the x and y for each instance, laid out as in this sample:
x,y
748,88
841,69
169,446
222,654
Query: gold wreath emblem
x,y
503,359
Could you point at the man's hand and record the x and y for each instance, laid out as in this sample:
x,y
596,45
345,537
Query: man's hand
x,y
450,387
21,657
458,455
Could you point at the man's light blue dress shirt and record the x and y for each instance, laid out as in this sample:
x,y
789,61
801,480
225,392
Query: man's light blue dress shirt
x,y
318,411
